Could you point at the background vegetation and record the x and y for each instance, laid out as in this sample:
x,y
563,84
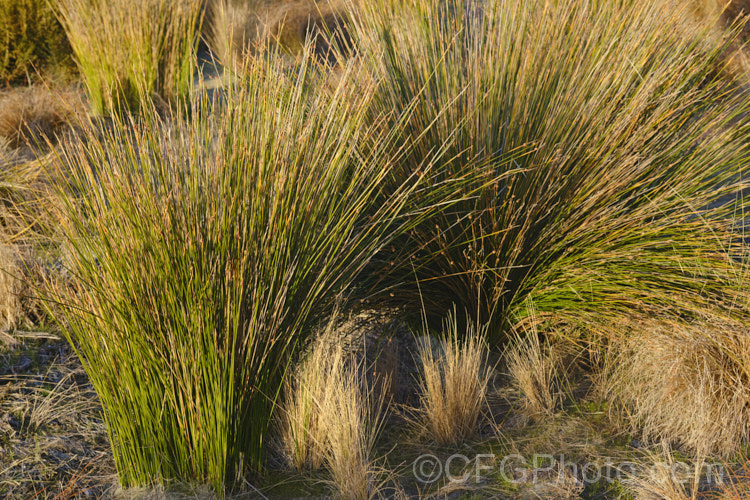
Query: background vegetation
x,y
592,210
131,52
32,41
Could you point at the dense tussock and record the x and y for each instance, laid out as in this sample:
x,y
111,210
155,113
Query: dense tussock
x,y
599,150
32,42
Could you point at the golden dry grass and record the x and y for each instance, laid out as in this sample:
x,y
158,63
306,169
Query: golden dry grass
x,y
10,304
453,385
726,10
32,119
351,420
307,393
234,29
736,483
240,28
687,384
661,477
332,418
54,442
32,115
533,367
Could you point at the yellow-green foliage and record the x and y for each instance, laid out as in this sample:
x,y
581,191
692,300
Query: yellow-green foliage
x,y
592,122
204,251
131,51
31,39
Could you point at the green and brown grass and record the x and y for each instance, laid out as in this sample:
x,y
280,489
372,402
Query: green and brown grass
x,y
551,193
129,53
32,42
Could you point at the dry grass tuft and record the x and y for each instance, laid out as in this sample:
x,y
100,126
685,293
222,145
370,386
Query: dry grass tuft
x,y
454,383
303,437
352,419
534,370
10,304
32,115
32,120
332,417
736,484
324,25
727,11
234,30
661,477
688,384
240,28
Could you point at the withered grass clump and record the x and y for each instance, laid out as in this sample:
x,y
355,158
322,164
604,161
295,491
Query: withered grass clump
x,y
10,272
453,384
352,418
534,370
235,29
659,476
241,29
688,384
331,417
30,116
308,393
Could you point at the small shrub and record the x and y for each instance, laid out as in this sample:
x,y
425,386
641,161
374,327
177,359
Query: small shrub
x,y
131,51
453,384
32,40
